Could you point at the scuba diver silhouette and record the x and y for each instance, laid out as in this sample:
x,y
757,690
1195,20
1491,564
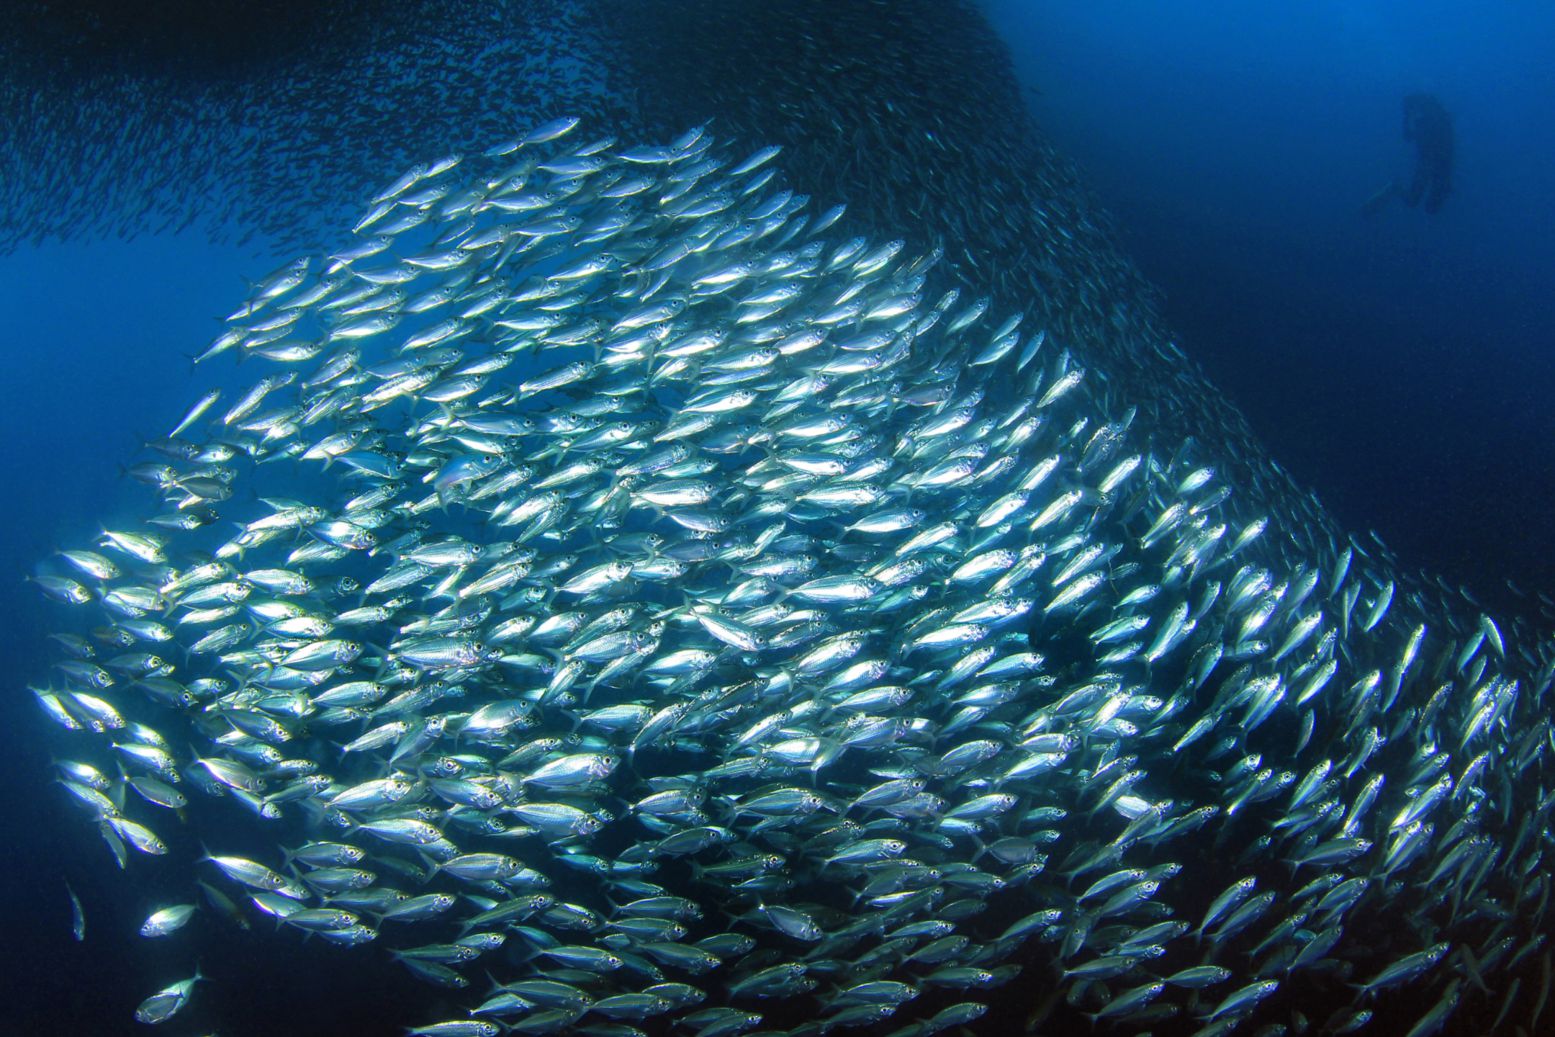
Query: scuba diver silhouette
x,y
1427,126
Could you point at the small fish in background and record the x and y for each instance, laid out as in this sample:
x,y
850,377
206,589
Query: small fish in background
x,y
168,167
77,915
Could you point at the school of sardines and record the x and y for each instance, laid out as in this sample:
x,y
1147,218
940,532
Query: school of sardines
x,y
237,123
627,585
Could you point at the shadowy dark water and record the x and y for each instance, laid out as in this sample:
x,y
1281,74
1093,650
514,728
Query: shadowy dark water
x,y
1399,364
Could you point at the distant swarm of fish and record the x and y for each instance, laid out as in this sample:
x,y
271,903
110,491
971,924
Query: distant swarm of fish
x,y
274,138
628,584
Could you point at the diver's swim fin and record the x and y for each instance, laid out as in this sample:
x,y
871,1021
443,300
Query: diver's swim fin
x,y
1375,203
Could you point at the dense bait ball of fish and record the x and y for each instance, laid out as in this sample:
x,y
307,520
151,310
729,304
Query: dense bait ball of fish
x,y
961,166
696,617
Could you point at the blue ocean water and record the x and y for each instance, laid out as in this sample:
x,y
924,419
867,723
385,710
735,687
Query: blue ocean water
x,y
98,339
104,332
1397,365
1400,364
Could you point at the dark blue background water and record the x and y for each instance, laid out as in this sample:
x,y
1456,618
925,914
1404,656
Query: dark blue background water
x,y
97,338
1400,366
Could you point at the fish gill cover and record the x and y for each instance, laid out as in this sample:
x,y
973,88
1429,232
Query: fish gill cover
x,y
708,610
